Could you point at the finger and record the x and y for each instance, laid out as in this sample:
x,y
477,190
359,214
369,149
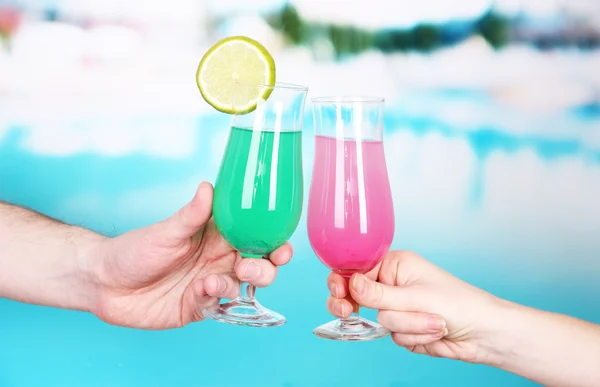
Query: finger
x,y
409,341
339,307
189,220
195,300
338,285
379,296
411,322
258,272
221,286
282,255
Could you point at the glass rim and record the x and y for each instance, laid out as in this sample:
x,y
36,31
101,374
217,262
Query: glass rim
x,y
350,138
277,85
347,99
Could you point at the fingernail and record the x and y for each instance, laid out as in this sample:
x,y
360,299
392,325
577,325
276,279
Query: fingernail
x,y
342,309
220,285
334,290
436,323
252,271
359,284
443,333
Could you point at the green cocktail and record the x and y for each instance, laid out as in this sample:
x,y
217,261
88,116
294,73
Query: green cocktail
x,y
258,193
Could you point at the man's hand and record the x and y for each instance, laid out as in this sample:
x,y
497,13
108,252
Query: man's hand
x,y
162,276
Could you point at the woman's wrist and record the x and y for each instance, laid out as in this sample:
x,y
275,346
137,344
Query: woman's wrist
x,y
498,335
548,348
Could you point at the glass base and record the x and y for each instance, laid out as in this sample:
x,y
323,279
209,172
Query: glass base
x,y
356,329
247,312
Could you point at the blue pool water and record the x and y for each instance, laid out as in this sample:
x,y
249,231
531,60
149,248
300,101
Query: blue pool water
x,y
506,200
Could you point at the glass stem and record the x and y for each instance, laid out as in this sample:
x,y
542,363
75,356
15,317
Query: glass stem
x,y
352,319
247,292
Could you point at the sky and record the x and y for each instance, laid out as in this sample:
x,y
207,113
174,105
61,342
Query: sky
x,y
368,14
386,13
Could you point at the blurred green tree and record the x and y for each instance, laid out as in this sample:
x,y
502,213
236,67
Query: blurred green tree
x,y
289,23
494,28
349,40
426,37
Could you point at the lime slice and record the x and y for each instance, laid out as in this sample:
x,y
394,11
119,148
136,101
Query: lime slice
x,y
241,59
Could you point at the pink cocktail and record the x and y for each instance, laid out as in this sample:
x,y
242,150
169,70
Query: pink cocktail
x,y
350,208
350,218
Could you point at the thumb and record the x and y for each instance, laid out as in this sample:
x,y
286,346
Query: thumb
x,y
192,217
372,294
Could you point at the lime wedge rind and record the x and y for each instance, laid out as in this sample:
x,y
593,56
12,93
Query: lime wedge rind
x,y
228,66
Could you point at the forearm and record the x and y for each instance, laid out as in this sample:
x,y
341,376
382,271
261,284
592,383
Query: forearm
x,y
551,349
45,262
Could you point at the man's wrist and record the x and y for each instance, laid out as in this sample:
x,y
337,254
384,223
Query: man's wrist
x,y
46,262
89,255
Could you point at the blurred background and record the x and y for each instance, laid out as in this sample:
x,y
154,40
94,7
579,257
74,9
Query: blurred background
x,y
492,141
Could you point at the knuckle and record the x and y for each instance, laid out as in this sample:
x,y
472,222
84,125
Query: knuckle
x,y
402,258
394,265
405,255
378,294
